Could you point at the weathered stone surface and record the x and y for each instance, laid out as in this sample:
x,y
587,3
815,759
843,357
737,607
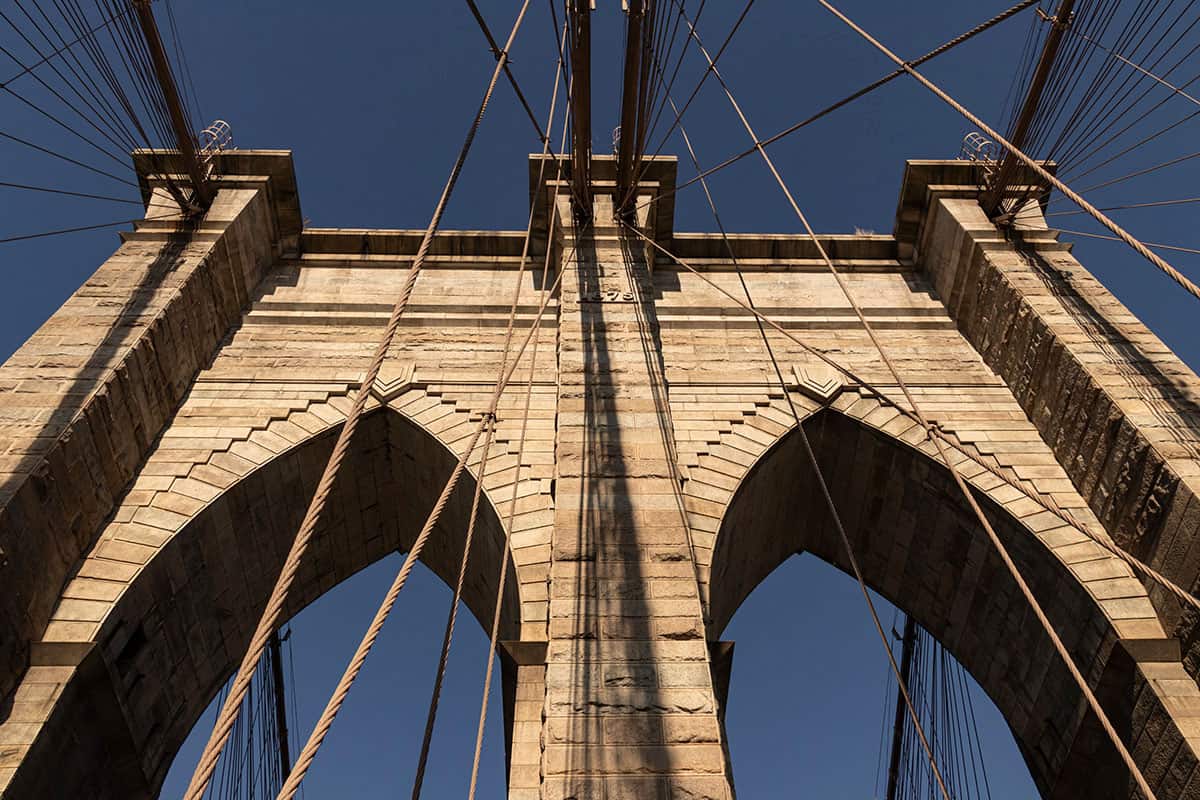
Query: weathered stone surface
x,y
163,431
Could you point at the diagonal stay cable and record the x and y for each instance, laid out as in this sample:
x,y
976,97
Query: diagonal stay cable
x,y
422,760
1137,174
1105,116
1172,247
273,612
320,731
112,124
1134,563
1128,206
965,36
939,445
79,229
853,560
809,453
547,292
31,67
309,752
687,41
493,638
695,91
1002,551
66,126
325,722
53,190
1034,165
75,66
512,79
452,616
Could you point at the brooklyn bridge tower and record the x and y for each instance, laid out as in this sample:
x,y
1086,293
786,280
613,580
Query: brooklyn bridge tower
x,y
603,433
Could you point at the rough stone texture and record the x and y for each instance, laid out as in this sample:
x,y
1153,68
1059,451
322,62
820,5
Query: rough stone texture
x,y
164,430
83,400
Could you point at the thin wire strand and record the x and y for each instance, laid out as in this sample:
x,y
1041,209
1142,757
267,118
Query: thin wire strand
x,y
558,78
452,617
1037,168
1174,248
52,190
934,432
951,44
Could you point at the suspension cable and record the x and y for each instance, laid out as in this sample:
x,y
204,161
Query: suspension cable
x,y
934,431
66,158
321,730
1175,248
495,48
1037,168
52,190
31,67
308,753
961,38
452,616
1175,90
559,76
695,91
275,604
810,454
547,292
1001,550
81,228
493,638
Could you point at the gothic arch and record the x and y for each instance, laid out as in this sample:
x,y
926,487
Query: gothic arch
x,y
184,617
920,546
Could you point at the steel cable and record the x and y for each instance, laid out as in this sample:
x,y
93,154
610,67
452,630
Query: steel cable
x,y
1001,550
809,453
559,76
273,612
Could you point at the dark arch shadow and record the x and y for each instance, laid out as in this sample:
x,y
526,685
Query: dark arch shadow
x,y
178,632
920,547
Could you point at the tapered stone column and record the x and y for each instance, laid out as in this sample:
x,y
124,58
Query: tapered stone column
x,y
630,708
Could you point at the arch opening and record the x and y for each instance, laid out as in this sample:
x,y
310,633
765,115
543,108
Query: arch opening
x,y
921,548
373,747
178,630
820,668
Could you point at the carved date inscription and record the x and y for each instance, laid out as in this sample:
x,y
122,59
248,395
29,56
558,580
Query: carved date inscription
x,y
607,296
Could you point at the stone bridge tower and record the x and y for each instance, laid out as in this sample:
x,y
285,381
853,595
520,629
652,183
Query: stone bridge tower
x,y
163,431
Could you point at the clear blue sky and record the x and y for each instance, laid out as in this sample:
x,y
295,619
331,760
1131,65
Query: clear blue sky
x,y
374,98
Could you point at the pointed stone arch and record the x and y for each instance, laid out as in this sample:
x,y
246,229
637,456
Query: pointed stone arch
x,y
920,547
158,613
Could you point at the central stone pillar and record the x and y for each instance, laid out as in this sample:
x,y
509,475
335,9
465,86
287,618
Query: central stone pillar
x,y
630,710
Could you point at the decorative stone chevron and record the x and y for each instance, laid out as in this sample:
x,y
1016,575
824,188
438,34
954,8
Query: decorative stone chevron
x,y
165,429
